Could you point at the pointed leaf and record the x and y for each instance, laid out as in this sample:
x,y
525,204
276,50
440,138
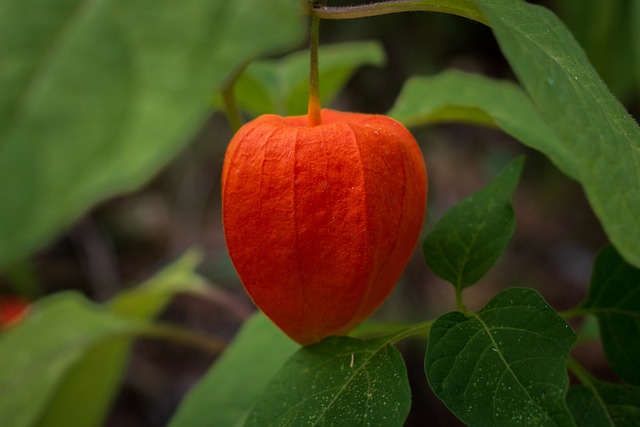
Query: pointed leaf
x,y
614,298
339,381
505,365
97,96
604,405
225,394
471,236
281,86
591,124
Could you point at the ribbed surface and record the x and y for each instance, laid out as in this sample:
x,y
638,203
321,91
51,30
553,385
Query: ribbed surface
x,y
320,221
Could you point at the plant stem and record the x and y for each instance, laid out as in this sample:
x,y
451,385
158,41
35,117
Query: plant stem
x,y
314,73
462,8
573,312
228,97
422,328
182,335
459,302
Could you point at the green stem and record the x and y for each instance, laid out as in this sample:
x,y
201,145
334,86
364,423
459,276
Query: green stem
x,y
462,8
314,116
573,312
228,97
182,335
422,328
459,302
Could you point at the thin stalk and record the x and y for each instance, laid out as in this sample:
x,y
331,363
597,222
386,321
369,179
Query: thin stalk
x,y
228,98
454,7
314,74
573,312
182,335
459,302
422,329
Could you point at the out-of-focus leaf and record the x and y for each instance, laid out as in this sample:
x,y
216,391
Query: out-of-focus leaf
x,y
68,350
97,96
471,236
225,394
36,355
280,86
505,365
148,299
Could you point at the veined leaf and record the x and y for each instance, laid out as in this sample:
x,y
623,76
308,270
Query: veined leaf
x,y
505,365
339,381
471,236
614,298
601,404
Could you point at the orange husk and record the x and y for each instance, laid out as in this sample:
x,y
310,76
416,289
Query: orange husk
x,y
321,221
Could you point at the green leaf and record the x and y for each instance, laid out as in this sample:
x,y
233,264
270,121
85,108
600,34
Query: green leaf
x,y
69,350
145,301
339,381
505,365
591,124
604,405
456,96
225,394
98,96
94,381
614,298
281,86
471,236
36,355
604,30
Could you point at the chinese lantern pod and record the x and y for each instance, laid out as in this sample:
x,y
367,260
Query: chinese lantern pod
x,y
321,221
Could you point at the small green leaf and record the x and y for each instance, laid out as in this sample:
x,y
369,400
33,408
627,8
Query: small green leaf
x,y
145,301
604,405
281,86
225,394
505,365
614,298
592,126
98,96
471,236
337,382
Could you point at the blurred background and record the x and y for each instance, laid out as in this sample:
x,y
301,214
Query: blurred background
x,y
124,240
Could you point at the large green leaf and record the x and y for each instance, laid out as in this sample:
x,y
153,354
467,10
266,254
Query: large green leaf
x,y
280,86
471,236
591,124
97,96
505,365
227,392
456,96
338,382
614,297
600,404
